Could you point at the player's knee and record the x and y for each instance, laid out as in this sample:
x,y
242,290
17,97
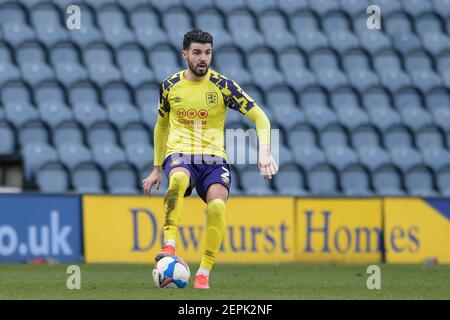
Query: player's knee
x,y
179,180
216,207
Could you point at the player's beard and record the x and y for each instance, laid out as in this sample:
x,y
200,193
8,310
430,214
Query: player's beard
x,y
197,72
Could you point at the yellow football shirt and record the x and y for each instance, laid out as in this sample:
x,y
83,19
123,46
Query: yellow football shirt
x,y
196,112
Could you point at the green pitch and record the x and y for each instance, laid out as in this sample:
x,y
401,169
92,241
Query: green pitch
x,y
286,281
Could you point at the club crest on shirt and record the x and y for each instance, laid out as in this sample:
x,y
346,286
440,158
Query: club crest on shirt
x,y
211,99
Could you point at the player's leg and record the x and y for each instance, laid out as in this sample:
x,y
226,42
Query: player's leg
x,y
216,198
173,202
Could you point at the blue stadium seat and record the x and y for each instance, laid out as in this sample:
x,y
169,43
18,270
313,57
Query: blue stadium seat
x,y
365,135
145,23
376,97
415,118
436,43
122,179
416,7
302,135
231,64
258,7
441,7
333,135
405,157
66,64
388,7
383,117
98,59
72,155
406,42
262,66
7,139
49,92
344,96
15,92
53,114
31,58
213,21
373,157
281,96
131,60
322,181
47,22
135,133
335,21
387,181
443,181
340,156
373,41
287,116
362,79
33,132
312,97
319,116
284,155
291,7
353,7
230,6
323,7
69,132
406,98
437,98
14,24
87,178
139,155
52,177
176,30
351,116
419,182
342,40
107,155
88,114
307,156
441,117
8,71
88,32
355,181
254,184
131,5
428,23
97,4
398,23
429,136
102,133
310,40
112,23
195,6
355,59
116,93
121,114
290,181
164,62
275,31
436,158
396,136
323,59
163,6
35,155
19,114
302,21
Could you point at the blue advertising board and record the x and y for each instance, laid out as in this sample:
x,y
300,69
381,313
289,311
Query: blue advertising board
x,y
40,226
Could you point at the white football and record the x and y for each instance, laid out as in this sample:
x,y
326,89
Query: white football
x,y
171,272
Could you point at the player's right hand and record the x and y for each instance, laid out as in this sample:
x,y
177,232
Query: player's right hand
x,y
153,178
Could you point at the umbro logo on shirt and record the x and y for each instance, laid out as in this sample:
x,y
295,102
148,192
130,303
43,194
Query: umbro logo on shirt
x,y
177,99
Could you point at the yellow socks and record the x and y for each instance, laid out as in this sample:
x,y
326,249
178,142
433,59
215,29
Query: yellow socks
x,y
215,231
173,203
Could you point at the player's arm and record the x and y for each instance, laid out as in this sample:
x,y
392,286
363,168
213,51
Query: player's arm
x,y
240,101
160,136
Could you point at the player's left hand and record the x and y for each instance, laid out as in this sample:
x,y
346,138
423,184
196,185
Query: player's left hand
x,y
266,163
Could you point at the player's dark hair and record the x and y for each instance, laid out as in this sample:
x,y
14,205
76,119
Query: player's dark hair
x,y
198,36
